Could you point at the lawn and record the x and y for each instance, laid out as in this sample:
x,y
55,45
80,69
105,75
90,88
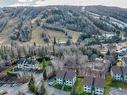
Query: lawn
x,y
118,84
67,88
57,86
108,81
79,86
44,64
85,94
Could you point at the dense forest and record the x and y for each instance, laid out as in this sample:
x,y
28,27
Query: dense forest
x,y
90,19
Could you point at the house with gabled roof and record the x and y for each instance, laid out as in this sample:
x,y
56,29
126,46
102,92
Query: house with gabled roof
x,y
116,73
124,71
98,86
88,84
60,76
70,78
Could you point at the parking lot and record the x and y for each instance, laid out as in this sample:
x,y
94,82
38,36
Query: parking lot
x,y
15,89
8,84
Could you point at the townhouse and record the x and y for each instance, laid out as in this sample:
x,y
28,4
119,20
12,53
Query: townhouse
x,y
60,77
88,84
92,85
116,73
66,77
124,71
98,86
70,78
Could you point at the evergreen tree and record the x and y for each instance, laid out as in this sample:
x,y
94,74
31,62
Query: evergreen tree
x,y
42,52
42,90
68,42
93,57
45,74
31,84
118,33
115,55
44,63
108,52
54,43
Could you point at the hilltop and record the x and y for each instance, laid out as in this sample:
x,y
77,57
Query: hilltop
x,y
35,24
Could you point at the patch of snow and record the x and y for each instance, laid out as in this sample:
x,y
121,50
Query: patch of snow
x,y
118,22
112,21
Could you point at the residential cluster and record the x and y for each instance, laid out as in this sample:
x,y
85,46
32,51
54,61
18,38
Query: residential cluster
x,y
94,85
66,77
71,70
27,64
119,73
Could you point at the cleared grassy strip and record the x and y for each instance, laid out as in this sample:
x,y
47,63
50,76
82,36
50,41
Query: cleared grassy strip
x,y
79,85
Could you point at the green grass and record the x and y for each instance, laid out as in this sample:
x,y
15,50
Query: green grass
x,y
118,84
108,81
57,86
67,88
44,64
85,94
79,85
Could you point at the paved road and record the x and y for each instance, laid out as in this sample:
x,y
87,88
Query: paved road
x,y
14,90
114,91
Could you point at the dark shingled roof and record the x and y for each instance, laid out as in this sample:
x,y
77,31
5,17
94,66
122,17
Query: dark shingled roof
x,y
124,69
116,70
69,75
88,80
99,83
60,74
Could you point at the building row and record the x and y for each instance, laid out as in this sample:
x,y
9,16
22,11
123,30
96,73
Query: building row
x,y
119,73
93,85
66,77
